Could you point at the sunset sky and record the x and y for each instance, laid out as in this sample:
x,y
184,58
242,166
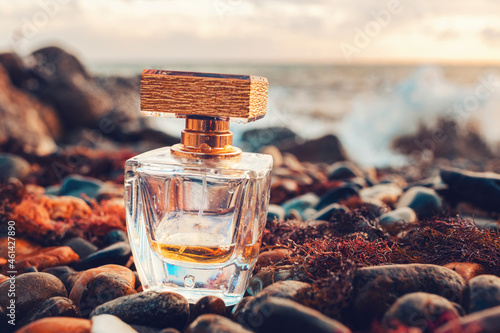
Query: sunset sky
x,y
280,31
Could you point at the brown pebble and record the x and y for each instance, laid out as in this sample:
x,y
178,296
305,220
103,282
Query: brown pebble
x,y
57,324
53,307
270,257
467,270
212,323
47,257
210,304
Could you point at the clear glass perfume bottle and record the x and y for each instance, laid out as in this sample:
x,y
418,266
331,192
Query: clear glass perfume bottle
x,y
196,211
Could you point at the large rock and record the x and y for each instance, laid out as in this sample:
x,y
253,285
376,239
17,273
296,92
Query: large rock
x,y
63,82
482,292
376,288
479,188
26,125
326,149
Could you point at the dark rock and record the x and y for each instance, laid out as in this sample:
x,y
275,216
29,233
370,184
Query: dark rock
x,y
13,166
238,307
325,149
53,307
76,185
486,321
137,281
210,304
18,73
66,274
31,269
81,247
118,253
481,293
255,139
150,308
326,213
336,195
103,288
480,189
31,290
300,203
394,220
64,83
344,170
467,270
424,201
27,125
283,315
213,323
275,212
422,310
115,236
265,278
376,288
4,321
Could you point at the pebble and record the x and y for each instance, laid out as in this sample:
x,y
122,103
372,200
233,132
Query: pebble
x,y
213,323
31,290
479,188
422,310
31,269
283,315
344,170
329,211
81,247
85,277
106,323
53,307
336,195
376,288
117,253
424,201
57,324
13,166
209,304
76,185
270,257
115,236
265,278
66,274
47,257
387,193
103,288
394,220
151,308
275,212
486,321
467,270
376,207
283,189
300,203
482,292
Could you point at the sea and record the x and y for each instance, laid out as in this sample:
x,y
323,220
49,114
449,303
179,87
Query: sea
x,y
366,106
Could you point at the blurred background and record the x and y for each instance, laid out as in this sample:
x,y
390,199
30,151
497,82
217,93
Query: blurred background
x,y
384,83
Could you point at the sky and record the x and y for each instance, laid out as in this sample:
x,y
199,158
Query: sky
x,y
268,31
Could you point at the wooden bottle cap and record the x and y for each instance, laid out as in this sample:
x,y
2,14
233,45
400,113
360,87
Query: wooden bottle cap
x,y
170,93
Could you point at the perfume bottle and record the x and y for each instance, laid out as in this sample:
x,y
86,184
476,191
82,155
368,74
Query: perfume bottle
x,y
196,211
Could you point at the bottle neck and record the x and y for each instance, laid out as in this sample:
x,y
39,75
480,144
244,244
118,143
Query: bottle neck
x,y
206,137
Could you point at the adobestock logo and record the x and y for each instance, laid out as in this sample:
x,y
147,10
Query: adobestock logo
x,y
31,26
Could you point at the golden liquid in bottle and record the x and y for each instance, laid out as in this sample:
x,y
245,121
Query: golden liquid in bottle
x,y
198,254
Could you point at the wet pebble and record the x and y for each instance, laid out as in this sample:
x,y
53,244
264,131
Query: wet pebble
x,y
394,220
52,307
424,201
344,170
57,324
85,277
422,310
66,274
13,166
283,315
151,308
117,253
31,290
106,323
103,288
213,323
76,185
210,304
81,247
300,203
329,211
115,236
336,195
481,293
467,270
376,288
